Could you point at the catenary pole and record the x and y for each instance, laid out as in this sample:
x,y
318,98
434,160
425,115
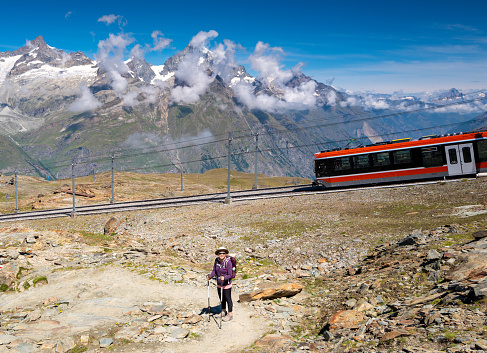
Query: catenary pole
x,y
182,185
72,189
256,153
16,193
113,183
228,198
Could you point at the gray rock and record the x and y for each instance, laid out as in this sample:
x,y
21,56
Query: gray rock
x,y
106,342
480,290
412,239
434,276
351,303
434,255
179,333
328,336
283,309
480,234
6,339
25,348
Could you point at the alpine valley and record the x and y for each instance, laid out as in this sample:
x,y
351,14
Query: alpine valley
x,y
57,108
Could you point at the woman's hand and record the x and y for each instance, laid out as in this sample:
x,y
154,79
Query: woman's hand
x,y
222,278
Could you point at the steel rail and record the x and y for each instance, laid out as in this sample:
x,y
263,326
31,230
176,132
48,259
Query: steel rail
x,y
237,196
139,205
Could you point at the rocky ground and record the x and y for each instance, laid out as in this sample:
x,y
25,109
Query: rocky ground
x,y
397,269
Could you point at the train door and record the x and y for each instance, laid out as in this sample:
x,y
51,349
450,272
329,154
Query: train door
x,y
460,159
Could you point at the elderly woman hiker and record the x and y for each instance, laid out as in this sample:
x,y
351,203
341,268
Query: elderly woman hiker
x,y
222,269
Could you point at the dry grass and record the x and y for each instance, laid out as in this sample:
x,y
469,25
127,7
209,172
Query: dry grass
x,y
37,193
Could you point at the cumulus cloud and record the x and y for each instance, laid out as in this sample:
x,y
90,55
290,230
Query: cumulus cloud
x,y
65,57
141,140
29,44
150,93
130,99
202,38
85,102
191,72
266,60
224,63
160,42
204,136
110,57
109,19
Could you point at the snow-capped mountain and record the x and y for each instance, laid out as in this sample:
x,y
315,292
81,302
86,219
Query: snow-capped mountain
x,y
57,106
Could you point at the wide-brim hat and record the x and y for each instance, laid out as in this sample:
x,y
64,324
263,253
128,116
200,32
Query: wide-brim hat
x,y
221,248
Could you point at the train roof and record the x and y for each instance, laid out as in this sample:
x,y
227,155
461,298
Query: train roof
x,y
403,143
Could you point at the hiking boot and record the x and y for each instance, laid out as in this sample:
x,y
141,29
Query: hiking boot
x,y
221,314
228,317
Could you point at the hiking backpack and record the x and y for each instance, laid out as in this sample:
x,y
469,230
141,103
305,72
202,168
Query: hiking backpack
x,y
234,264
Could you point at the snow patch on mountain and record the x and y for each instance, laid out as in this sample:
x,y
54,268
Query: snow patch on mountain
x,y
6,64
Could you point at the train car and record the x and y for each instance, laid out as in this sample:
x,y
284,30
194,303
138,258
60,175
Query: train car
x,y
430,157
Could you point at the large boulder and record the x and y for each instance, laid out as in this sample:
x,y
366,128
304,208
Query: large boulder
x,y
110,226
480,234
286,290
350,319
473,269
8,274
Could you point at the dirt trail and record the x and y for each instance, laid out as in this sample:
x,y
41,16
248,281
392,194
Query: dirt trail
x,y
100,299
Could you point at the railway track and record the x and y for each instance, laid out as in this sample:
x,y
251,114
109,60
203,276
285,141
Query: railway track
x,y
155,203
189,200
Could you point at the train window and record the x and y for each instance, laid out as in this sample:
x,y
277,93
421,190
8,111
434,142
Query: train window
x,y
432,157
482,148
382,158
320,167
452,153
342,163
361,161
402,157
467,156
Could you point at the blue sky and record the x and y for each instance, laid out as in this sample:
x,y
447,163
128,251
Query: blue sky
x,y
380,46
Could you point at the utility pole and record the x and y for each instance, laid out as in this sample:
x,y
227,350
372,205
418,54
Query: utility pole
x,y
113,183
16,194
182,186
254,187
72,189
228,199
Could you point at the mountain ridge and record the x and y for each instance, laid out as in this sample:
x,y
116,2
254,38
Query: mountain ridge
x,y
61,107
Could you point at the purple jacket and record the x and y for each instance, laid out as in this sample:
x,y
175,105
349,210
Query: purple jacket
x,y
222,269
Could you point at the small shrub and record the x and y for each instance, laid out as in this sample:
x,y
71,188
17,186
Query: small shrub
x,y
39,279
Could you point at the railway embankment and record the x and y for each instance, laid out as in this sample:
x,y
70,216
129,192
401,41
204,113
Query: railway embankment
x,y
386,270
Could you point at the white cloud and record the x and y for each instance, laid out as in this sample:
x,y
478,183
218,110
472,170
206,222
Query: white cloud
x,y
266,60
202,38
192,73
130,99
109,19
110,57
85,102
160,42
64,58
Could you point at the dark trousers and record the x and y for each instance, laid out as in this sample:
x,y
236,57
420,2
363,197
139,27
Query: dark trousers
x,y
227,299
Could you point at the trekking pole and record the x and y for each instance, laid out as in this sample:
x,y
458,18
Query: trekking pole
x,y
221,307
209,307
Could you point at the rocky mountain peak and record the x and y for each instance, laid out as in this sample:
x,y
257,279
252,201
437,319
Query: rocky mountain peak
x,y
40,43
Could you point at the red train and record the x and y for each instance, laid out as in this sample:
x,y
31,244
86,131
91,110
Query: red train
x,y
430,157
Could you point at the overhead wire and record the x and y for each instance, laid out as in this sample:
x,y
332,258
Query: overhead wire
x,y
103,157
